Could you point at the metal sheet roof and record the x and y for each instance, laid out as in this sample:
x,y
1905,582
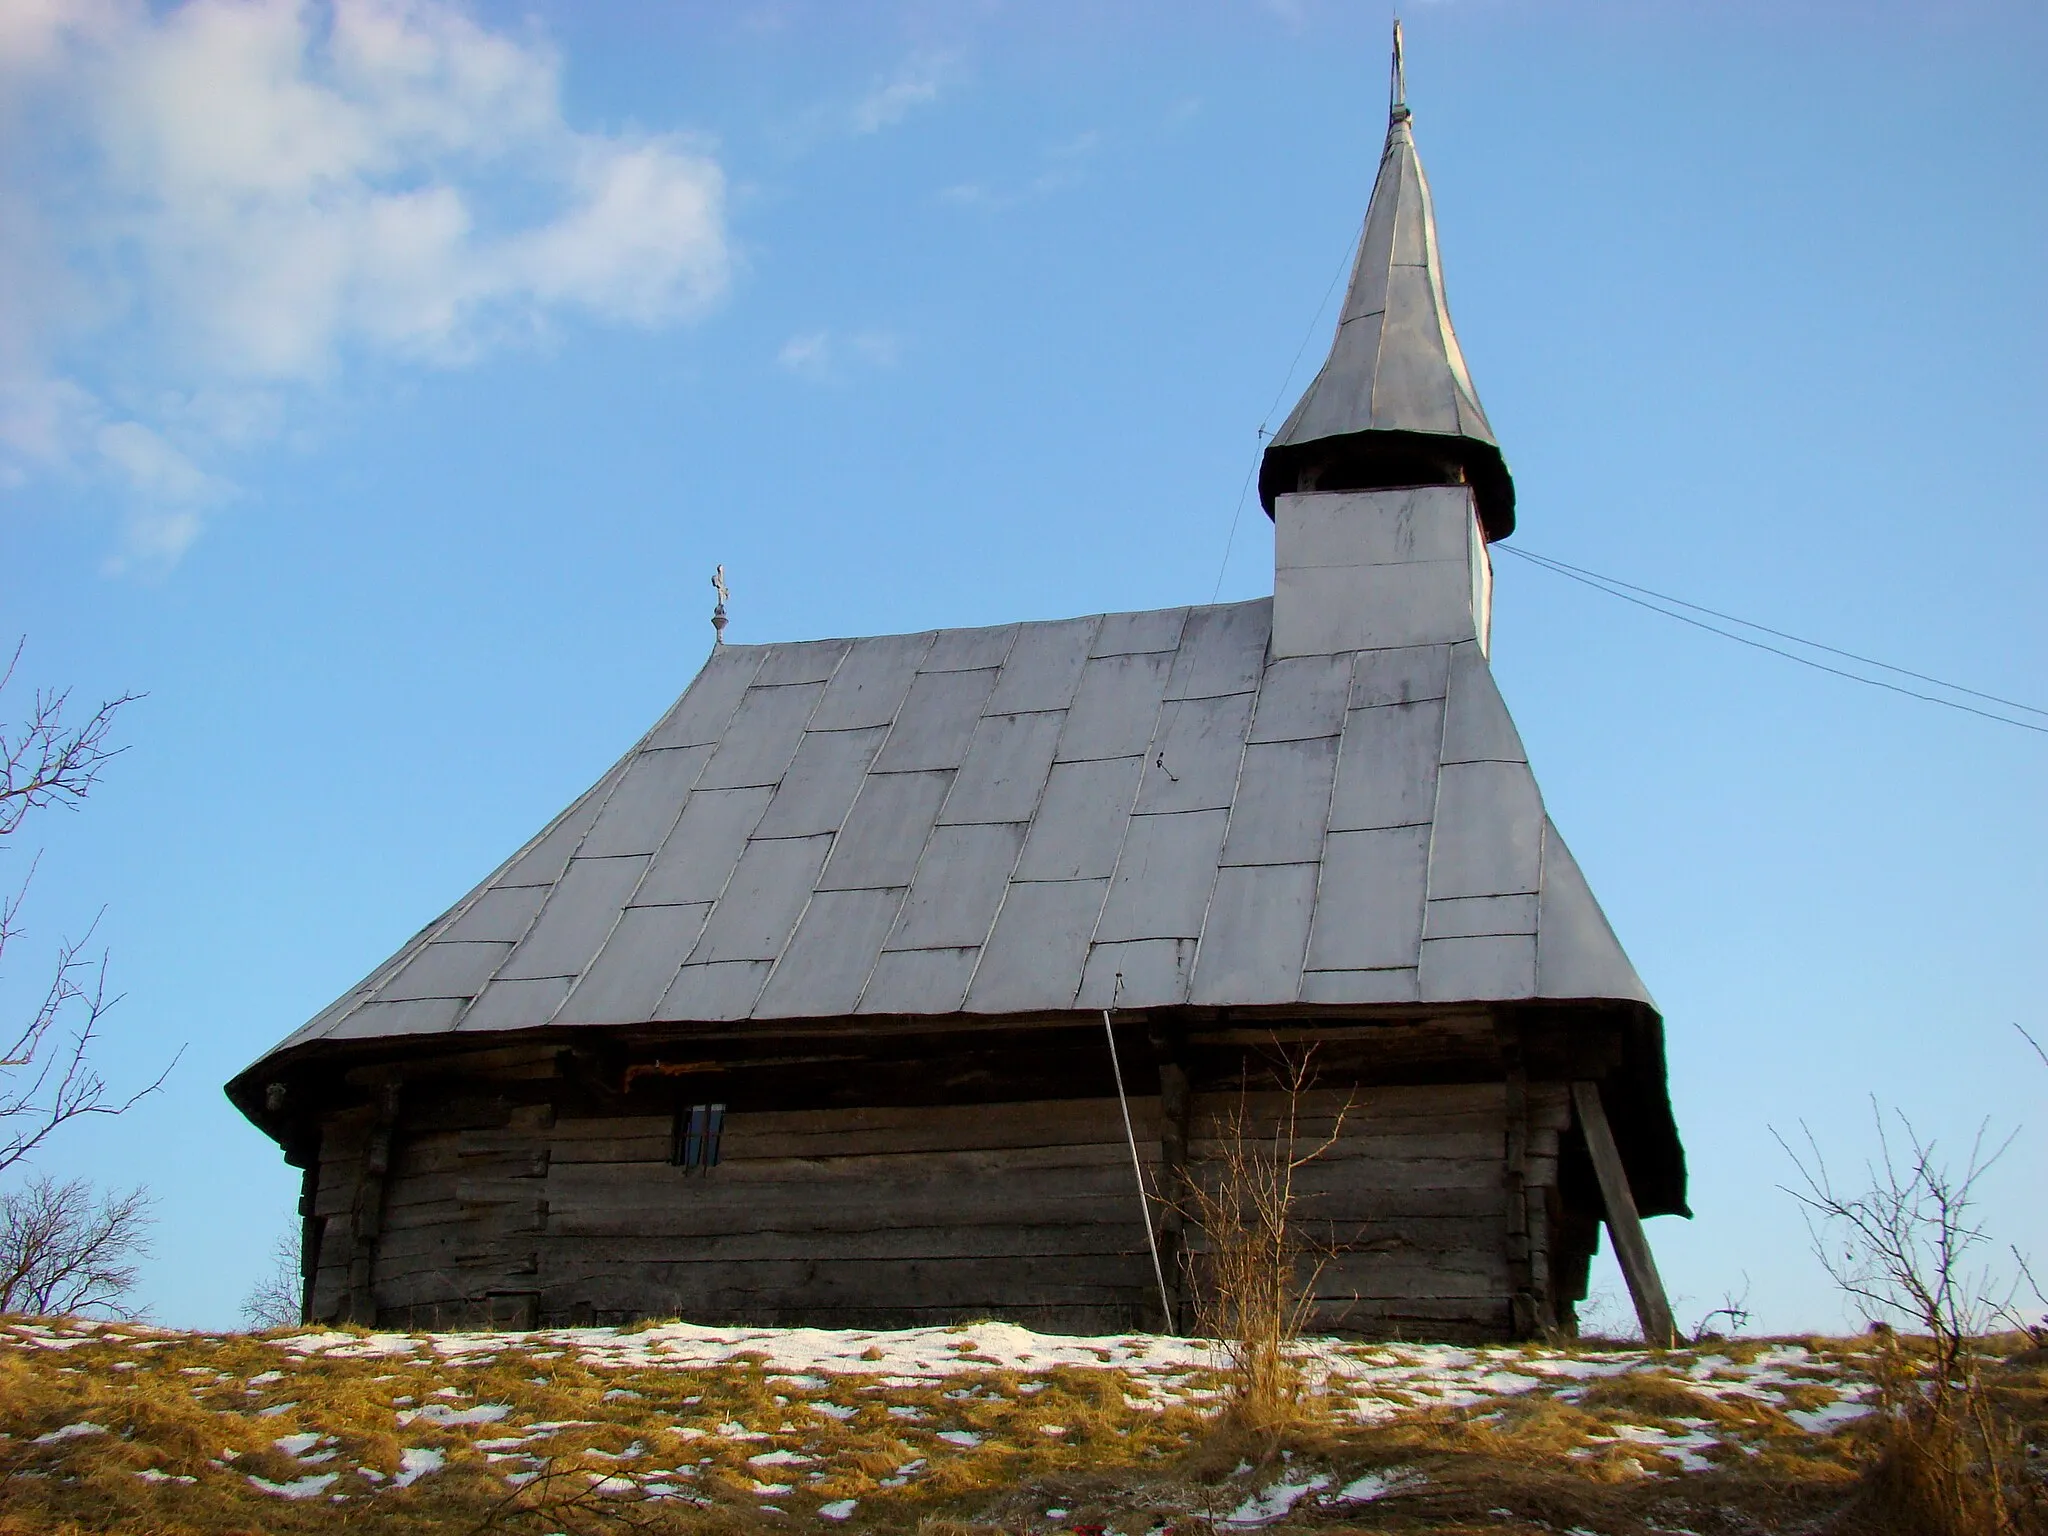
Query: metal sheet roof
x,y
1003,821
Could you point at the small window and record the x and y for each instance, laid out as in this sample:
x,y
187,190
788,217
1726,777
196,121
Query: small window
x,y
694,1142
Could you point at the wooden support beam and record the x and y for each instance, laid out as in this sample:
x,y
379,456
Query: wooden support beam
x,y
309,1237
366,1213
1523,1319
1631,1247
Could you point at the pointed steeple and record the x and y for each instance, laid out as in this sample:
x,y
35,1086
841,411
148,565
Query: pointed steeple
x,y
1393,405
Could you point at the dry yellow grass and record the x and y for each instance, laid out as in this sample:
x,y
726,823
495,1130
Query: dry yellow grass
x,y
534,1439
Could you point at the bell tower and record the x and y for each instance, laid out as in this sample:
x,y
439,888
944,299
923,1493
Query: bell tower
x,y
1385,483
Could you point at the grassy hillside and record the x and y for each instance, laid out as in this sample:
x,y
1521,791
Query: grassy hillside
x,y
108,1427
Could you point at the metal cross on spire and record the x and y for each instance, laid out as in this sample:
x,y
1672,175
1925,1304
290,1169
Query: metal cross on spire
x,y
1397,106
718,619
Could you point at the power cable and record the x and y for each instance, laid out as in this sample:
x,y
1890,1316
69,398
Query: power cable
x,y
1833,650
1280,394
1613,586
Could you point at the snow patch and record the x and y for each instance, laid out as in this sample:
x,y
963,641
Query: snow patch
x,y
442,1414
416,1462
69,1432
308,1487
1272,1503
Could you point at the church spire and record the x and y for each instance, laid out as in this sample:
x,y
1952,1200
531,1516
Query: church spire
x,y
1393,404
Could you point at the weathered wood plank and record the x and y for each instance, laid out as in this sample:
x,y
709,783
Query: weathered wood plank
x,y
880,1169
1416,1318
358,1303
457,1189
1400,1237
526,1215
983,1283
684,1204
525,1153
1631,1247
1373,1103
701,1207
1330,1175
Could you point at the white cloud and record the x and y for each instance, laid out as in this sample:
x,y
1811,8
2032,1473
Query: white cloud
x,y
237,198
917,82
823,356
808,356
1063,167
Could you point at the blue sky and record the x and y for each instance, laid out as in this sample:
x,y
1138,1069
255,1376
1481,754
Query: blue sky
x,y
380,383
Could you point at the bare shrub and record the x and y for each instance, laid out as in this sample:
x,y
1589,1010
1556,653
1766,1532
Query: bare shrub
x,y
1256,1276
1733,1315
1907,1250
65,1248
46,1075
276,1300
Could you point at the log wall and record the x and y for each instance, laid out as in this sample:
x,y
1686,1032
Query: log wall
x,y
1431,1212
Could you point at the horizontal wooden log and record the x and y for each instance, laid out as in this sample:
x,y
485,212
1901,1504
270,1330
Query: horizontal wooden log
x,y
1116,1231
1330,1175
569,1130
838,1280
878,1169
468,1226
983,1283
1088,1321
832,1133
617,1149
1473,1318
406,1252
458,1186
1380,1278
514,1154
1367,1103
1013,1241
681,1204
1480,1148
1550,1107
684,1203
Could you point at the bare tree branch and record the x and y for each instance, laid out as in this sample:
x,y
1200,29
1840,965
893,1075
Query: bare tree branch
x,y
274,1301
47,1077
64,1249
46,762
1257,1272
1904,1246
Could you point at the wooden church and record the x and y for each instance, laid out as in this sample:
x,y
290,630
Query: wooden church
x,y
798,1015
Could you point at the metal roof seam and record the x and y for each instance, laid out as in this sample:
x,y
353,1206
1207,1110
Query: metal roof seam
x,y
868,980
1123,844
1436,802
1329,808
775,965
1149,847
1379,344
1236,789
788,937
1037,804
749,840
627,905
609,783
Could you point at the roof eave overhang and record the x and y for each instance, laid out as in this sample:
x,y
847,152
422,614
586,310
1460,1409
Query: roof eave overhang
x,y
1634,1080
1485,470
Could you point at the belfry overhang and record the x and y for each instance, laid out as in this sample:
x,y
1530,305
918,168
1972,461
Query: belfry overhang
x,y
1393,404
